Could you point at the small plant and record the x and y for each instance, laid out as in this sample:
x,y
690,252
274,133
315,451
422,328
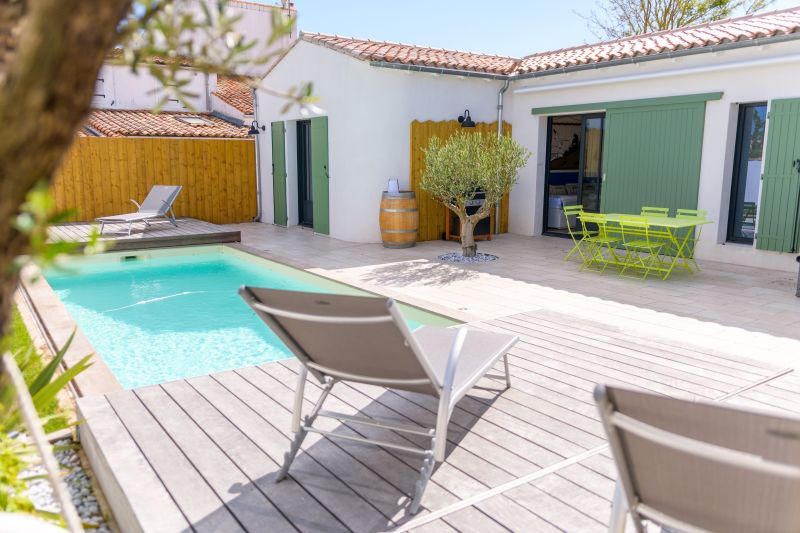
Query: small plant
x,y
469,163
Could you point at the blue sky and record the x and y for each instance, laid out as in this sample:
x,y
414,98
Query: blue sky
x,y
507,27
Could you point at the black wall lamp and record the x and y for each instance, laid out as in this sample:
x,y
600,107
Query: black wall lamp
x,y
254,127
465,120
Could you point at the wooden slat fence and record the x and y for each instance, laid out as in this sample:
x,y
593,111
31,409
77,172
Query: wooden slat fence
x,y
432,212
99,176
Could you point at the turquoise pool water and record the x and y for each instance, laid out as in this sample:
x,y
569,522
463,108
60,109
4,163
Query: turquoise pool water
x,y
155,318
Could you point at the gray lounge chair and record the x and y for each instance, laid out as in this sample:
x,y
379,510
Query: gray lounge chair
x,y
157,204
366,340
700,466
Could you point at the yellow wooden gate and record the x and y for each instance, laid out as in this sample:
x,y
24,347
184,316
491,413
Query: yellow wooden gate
x,y
100,175
432,212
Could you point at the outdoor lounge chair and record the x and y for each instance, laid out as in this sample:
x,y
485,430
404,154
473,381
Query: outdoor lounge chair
x,y
701,466
366,340
157,204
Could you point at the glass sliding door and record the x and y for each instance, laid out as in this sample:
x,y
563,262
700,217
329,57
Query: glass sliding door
x,y
591,163
747,172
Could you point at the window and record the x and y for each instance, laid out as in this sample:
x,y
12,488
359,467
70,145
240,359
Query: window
x,y
747,172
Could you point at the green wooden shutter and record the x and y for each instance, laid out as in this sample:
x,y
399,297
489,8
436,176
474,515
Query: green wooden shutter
x,y
780,186
652,157
279,173
319,174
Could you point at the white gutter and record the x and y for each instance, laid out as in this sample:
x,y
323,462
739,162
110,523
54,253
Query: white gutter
x,y
257,140
659,74
500,94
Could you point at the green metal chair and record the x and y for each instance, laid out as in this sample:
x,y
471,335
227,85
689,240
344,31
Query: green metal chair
x,y
691,242
642,252
578,236
655,211
596,243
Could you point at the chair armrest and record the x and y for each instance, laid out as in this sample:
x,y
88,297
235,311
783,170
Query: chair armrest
x,y
136,203
452,363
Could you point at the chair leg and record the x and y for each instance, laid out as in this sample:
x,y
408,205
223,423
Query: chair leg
x,y
508,374
419,487
619,512
102,225
130,226
301,429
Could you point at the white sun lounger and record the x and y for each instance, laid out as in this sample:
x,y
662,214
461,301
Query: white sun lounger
x,y
157,204
366,340
701,466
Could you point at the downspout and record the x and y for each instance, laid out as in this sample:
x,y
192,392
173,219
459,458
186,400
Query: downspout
x,y
500,94
257,218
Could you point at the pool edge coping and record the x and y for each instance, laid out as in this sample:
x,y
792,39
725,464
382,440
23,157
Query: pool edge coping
x,y
55,324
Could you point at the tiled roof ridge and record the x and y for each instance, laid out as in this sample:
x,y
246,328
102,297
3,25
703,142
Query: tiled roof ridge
x,y
410,45
692,27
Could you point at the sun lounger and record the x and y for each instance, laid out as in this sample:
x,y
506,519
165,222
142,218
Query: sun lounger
x,y
701,466
157,204
366,340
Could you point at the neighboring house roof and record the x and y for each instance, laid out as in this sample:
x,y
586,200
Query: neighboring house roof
x,y
236,93
142,123
410,54
761,27
747,28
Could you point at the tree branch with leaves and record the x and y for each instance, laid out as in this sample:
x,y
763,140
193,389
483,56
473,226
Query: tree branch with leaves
x,y
467,164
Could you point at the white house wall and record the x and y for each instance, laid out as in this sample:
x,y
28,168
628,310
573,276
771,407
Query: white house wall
x,y
120,88
369,111
752,83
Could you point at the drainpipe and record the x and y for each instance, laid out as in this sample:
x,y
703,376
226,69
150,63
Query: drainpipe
x,y
257,218
500,94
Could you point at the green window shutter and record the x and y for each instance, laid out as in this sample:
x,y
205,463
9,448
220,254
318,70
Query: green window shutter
x,y
279,173
652,157
319,174
780,186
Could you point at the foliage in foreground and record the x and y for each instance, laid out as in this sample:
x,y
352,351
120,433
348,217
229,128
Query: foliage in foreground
x,y
468,163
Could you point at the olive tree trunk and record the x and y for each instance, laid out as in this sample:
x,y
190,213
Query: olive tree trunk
x,y
468,246
50,54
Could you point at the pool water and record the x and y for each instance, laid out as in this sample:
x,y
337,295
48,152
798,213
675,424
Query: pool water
x,y
155,318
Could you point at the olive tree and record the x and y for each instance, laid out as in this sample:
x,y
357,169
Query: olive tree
x,y
469,163
50,54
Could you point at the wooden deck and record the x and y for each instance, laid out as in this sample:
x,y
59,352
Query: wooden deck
x,y
200,454
160,234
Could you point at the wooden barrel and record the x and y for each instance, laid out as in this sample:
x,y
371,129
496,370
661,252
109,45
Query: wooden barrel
x,y
399,219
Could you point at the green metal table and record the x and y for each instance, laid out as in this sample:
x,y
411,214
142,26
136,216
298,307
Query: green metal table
x,y
681,249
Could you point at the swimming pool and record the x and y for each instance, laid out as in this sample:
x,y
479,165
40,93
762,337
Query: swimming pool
x,y
163,315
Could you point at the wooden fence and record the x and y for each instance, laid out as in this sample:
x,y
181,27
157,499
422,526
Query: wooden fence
x,y
99,176
431,212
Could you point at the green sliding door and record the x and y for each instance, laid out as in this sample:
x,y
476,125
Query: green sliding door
x,y
279,173
778,224
652,156
319,174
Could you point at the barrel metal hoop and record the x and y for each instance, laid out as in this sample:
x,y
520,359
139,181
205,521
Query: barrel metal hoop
x,y
383,210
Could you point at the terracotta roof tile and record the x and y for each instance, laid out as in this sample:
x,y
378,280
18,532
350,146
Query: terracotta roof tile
x,y
141,123
409,54
236,93
746,28
731,30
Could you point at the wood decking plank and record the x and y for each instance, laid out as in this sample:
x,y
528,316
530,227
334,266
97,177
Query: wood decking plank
x,y
321,464
198,502
290,498
251,508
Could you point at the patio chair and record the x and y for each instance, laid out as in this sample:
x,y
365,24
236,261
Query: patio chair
x,y
655,211
596,243
691,242
700,466
157,204
578,236
642,251
365,339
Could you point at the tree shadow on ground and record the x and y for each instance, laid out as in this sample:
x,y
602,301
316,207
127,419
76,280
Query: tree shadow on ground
x,y
421,273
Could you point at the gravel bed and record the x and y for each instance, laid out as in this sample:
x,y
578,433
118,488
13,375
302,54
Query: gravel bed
x,y
458,258
80,488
